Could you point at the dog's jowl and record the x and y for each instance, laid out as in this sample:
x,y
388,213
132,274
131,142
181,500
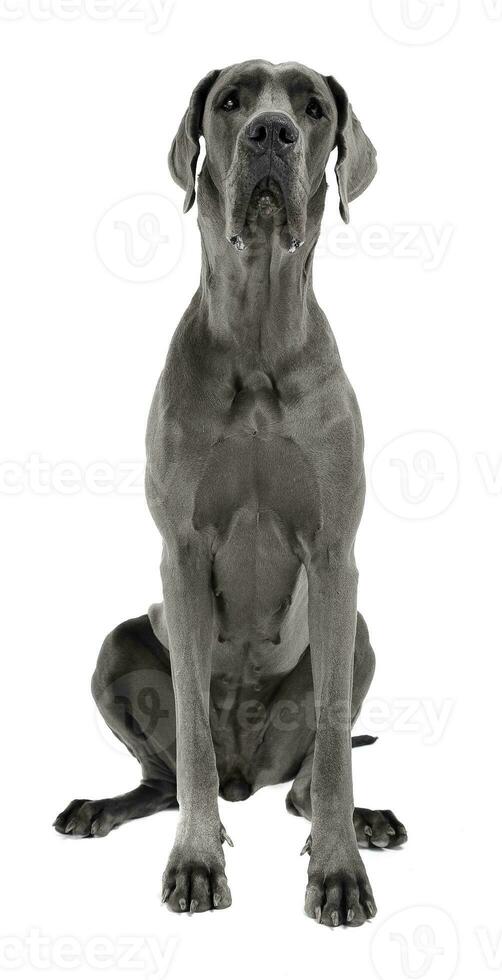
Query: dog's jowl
x,y
254,667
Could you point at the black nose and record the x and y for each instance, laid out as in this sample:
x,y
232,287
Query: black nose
x,y
274,128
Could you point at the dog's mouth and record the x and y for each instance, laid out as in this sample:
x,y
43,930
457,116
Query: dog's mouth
x,y
267,200
267,209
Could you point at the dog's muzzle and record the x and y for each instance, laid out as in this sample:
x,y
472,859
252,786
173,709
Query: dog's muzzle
x,y
264,179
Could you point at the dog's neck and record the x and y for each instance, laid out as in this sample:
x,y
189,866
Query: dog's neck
x,y
261,298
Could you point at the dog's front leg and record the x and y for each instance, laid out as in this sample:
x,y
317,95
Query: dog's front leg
x,y
194,879
338,889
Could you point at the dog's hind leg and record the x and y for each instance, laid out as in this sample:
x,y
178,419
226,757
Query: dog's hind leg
x,y
133,690
379,828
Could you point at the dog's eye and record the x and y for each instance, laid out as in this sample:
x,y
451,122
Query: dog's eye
x,y
231,103
314,109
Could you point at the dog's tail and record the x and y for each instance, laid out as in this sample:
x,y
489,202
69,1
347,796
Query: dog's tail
x,y
358,740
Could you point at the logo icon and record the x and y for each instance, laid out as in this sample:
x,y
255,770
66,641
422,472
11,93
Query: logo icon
x,y
419,942
140,238
415,21
416,475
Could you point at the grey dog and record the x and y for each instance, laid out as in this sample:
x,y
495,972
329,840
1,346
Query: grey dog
x,y
255,666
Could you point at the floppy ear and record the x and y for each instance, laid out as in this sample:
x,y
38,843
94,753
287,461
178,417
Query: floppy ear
x,y
185,147
356,165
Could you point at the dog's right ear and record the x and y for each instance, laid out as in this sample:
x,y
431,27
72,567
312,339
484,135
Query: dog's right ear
x,y
185,148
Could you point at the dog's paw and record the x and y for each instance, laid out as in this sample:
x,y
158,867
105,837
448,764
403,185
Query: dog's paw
x,y
195,887
195,880
379,828
339,897
86,818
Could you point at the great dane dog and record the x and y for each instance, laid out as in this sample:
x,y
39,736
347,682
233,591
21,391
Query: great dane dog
x,y
254,667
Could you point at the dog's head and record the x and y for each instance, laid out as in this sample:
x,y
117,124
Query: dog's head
x,y
269,130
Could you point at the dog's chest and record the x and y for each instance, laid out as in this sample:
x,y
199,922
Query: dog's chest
x,y
256,466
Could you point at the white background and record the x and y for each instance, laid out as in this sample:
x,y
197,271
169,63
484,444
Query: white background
x,y
92,96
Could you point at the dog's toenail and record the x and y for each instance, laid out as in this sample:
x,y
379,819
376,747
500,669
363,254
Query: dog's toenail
x,y
225,837
194,905
183,904
350,915
335,918
318,913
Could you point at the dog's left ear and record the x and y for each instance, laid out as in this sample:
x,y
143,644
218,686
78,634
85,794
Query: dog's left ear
x,y
356,165
185,149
